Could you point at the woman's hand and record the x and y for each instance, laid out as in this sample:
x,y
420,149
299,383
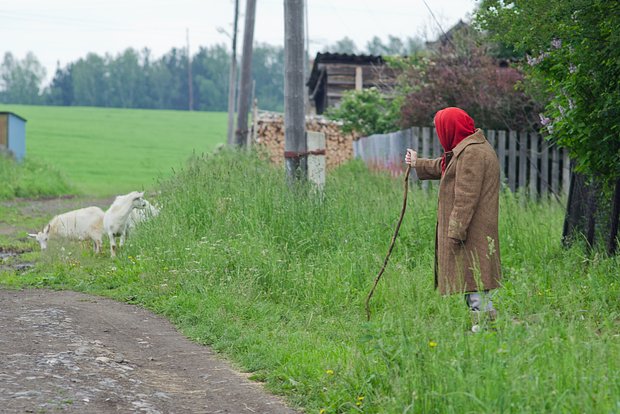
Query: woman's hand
x,y
411,157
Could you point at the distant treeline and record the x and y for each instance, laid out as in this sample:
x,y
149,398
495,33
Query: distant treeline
x,y
134,79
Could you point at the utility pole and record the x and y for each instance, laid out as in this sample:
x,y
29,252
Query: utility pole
x,y
232,83
245,89
189,74
295,146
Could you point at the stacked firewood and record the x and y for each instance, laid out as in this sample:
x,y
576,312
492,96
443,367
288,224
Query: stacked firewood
x,y
269,136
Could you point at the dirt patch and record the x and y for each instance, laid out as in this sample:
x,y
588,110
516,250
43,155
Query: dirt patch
x,y
70,352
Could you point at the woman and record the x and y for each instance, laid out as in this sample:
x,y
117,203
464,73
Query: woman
x,y
467,257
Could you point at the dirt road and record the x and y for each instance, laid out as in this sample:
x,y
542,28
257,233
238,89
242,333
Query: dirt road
x,y
70,352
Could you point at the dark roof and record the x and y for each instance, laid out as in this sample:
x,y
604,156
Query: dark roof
x,y
14,114
339,58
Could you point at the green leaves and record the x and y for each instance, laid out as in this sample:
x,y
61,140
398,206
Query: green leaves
x,y
572,53
367,112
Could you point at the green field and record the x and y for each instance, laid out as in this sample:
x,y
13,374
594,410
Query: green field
x,y
105,151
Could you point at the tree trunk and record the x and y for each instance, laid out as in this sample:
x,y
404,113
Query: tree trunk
x,y
612,243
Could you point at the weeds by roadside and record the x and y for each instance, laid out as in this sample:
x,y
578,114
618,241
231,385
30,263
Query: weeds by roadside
x,y
30,179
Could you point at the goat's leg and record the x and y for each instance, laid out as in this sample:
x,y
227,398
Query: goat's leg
x,y
112,245
98,243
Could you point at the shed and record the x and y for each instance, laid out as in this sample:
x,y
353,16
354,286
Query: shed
x,y
335,73
13,135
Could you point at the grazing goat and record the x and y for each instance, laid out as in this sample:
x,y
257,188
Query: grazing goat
x,y
117,216
85,223
137,216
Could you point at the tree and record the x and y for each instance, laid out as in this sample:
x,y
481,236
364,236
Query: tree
x,y
21,80
573,52
60,91
366,112
394,46
462,73
268,72
90,86
344,45
211,77
125,75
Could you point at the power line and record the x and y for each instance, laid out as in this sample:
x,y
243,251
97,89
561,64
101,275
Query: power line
x,y
434,18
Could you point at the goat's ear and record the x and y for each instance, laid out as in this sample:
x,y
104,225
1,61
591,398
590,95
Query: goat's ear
x,y
34,236
141,194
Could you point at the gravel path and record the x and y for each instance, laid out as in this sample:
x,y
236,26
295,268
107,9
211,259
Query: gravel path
x,y
70,352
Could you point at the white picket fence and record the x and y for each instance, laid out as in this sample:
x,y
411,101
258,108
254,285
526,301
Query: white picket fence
x,y
528,162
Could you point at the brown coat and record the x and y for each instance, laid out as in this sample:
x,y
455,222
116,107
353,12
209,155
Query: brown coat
x,y
468,211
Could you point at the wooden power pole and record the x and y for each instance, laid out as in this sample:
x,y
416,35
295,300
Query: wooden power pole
x,y
190,91
232,84
295,146
245,89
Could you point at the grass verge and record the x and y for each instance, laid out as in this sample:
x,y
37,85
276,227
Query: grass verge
x,y
276,279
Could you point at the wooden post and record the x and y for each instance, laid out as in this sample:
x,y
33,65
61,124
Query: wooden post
x,y
555,170
359,78
232,80
512,160
534,165
501,153
522,160
294,113
491,139
252,136
544,168
316,159
246,74
437,149
414,143
426,149
565,171
190,91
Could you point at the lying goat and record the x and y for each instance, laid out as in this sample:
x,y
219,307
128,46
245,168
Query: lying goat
x,y
83,224
116,217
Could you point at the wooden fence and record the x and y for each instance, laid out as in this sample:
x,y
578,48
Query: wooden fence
x,y
527,161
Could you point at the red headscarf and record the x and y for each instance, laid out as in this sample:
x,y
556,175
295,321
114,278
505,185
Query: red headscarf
x,y
453,125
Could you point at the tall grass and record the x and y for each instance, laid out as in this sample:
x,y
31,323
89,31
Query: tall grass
x,y
30,179
276,279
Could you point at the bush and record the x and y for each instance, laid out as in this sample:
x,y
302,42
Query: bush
x,y
366,112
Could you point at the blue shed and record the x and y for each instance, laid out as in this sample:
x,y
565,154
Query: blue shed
x,y
13,134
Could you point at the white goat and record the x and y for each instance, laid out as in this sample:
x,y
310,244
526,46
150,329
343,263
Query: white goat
x,y
137,216
117,216
85,223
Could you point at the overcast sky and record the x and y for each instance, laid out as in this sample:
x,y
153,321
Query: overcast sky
x,y
65,30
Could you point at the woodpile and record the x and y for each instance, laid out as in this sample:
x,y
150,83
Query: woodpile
x,y
269,135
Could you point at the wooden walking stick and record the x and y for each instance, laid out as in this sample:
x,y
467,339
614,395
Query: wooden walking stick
x,y
400,220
